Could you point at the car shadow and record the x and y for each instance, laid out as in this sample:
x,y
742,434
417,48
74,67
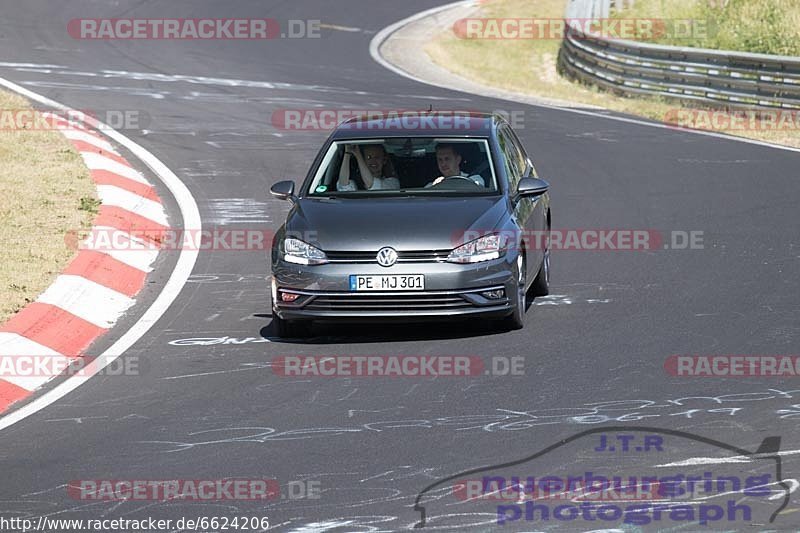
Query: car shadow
x,y
372,332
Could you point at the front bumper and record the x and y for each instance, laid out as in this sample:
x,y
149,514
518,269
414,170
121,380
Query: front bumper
x,y
451,290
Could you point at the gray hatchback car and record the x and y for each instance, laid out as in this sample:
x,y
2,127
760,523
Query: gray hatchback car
x,y
439,217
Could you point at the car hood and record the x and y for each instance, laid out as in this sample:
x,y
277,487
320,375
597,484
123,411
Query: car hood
x,y
405,224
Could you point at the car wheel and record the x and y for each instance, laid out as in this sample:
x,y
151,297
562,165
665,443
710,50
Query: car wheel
x,y
517,319
290,329
541,285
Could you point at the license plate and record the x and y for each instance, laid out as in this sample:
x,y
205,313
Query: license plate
x,y
398,282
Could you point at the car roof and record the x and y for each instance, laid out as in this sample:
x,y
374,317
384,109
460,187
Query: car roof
x,y
400,123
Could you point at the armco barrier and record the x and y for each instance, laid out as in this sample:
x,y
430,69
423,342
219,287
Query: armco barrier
x,y
706,77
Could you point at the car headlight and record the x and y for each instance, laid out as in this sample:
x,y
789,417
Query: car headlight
x,y
486,248
301,253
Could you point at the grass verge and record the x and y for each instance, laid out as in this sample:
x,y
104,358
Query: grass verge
x,y
529,67
45,191
759,26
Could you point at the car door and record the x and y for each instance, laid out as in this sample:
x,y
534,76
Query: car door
x,y
530,212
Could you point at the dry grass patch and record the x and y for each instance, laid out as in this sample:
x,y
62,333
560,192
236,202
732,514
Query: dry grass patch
x,y
43,185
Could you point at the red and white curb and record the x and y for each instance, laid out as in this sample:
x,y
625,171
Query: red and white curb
x,y
97,287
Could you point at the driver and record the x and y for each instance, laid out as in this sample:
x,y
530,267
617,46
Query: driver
x,y
448,157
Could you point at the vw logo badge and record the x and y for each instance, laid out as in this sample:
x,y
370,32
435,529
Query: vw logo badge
x,y
387,257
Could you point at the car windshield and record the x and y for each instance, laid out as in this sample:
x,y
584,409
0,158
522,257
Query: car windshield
x,y
409,166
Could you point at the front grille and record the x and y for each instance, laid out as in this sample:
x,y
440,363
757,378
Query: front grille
x,y
417,256
387,302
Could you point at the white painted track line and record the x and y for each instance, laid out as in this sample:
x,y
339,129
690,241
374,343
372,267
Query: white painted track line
x,y
86,299
13,345
114,196
123,247
100,162
94,140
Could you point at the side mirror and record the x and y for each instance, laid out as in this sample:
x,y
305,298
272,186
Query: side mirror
x,y
283,190
532,187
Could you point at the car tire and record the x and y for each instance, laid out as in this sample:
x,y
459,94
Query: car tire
x,y
516,320
290,329
541,284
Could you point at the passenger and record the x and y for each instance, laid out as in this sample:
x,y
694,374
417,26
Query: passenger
x,y
448,157
374,164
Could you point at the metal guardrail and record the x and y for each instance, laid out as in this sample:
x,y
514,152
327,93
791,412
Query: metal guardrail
x,y
709,77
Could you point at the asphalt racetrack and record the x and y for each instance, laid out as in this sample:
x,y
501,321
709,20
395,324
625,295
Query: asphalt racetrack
x,y
354,453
